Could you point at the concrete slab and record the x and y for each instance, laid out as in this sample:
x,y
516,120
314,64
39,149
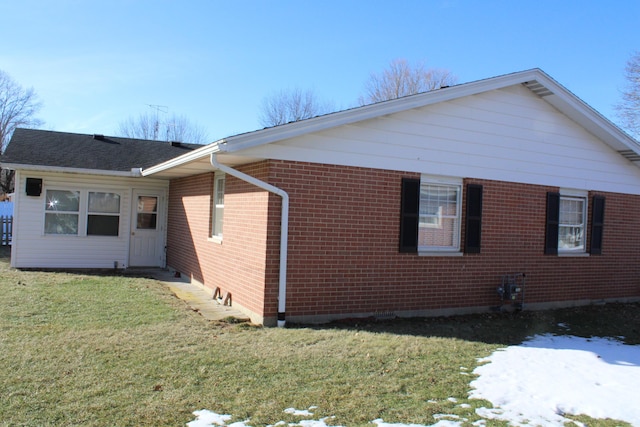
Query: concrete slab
x,y
197,298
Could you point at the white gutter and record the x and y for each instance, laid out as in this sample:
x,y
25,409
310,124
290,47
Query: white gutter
x,y
284,230
135,172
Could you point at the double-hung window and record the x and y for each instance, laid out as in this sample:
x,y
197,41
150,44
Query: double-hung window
x,y
439,215
571,224
431,215
567,226
217,205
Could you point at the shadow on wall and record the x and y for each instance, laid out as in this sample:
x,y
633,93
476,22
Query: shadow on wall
x,y
182,254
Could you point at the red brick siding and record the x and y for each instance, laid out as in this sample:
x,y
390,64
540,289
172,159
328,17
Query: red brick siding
x,y
343,245
344,259
238,265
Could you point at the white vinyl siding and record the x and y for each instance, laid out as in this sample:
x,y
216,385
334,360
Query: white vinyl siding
x,y
35,248
509,135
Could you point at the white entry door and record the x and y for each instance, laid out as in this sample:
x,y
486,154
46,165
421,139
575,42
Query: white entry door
x,y
147,230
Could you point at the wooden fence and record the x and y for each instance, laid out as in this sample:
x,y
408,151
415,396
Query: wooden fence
x,y
6,230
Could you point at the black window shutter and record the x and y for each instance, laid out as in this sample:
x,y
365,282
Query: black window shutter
x,y
409,209
473,223
553,220
597,224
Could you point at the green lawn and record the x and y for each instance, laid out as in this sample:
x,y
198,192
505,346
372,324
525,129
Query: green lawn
x,y
89,350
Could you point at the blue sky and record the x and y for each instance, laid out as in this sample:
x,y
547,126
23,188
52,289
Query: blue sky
x,y
96,63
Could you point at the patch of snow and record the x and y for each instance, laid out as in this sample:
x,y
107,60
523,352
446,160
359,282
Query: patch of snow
x,y
298,412
206,418
314,423
380,423
549,376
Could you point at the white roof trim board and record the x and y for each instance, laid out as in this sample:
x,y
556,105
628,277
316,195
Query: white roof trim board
x,y
536,80
136,172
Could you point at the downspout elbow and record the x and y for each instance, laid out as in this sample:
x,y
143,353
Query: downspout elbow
x,y
284,230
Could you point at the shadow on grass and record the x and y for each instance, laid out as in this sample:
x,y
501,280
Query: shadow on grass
x,y
5,254
613,320
616,320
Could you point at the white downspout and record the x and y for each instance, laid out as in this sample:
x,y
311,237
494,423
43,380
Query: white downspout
x,y
284,230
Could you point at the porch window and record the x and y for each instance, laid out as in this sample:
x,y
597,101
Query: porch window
x,y
103,216
217,206
62,211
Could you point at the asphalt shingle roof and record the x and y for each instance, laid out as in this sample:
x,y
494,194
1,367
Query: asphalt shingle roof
x,y
72,150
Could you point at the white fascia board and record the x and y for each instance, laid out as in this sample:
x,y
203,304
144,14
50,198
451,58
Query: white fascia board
x,y
40,168
585,115
207,150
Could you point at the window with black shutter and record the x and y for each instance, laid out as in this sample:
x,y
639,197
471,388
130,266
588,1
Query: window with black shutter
x,y
409,211
553,220
473,224
597,224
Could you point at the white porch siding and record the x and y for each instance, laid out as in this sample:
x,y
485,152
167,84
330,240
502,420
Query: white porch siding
x,y
33,249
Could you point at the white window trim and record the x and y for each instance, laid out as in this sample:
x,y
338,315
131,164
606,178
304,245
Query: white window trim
x,y
453,250
83,212
584,196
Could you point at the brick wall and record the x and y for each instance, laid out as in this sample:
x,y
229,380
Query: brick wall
x,y
343,246
344,259
237,265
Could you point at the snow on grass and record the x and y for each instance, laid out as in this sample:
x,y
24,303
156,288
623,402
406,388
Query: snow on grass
x,y
549,376
300,413
535,383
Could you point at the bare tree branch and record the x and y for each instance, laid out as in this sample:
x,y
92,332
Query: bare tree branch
x,y
628,110
401,79
174,128
18,106
291,105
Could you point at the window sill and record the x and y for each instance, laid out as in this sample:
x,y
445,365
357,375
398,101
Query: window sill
x,y
573,254
215,239
440,253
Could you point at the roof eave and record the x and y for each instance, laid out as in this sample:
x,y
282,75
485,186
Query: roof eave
x,y
207,150
585,115
134,172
